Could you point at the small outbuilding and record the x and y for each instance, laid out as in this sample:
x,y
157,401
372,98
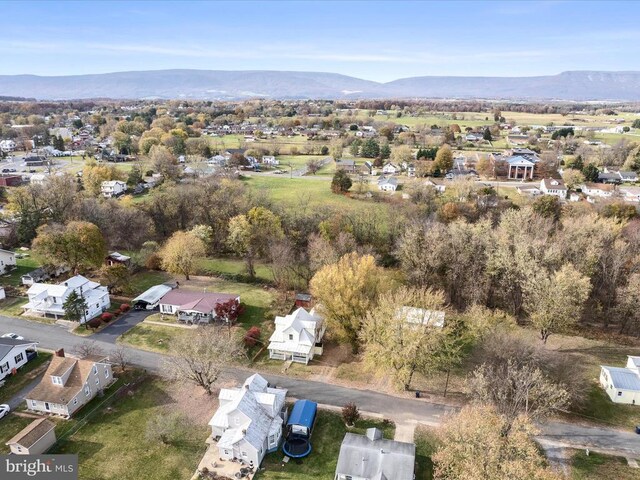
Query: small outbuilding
x,y
36,438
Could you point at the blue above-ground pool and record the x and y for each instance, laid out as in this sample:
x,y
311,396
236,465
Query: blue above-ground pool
x,y
299,428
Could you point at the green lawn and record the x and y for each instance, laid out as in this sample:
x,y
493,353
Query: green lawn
x,y
9,427
12,306
142,281
597,467
25,375
234,268
155,338
112,444
425,441
24,265
599,407
325,440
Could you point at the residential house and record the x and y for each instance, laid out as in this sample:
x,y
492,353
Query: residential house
x,y
38,179
473,137
194,307
7,261
113,188
248,422
47,299
35,439
7,146
116,258
390,168
609,177
369,168
388,184
229,152
69,383
297,336
622,384
270,160
553,186
601,190
410,168
628,177
630,194
348,166
528,189
371,457
14,354
438,184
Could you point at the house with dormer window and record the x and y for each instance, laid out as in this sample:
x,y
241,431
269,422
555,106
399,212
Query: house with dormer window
x,y
69,383
552,186
297,337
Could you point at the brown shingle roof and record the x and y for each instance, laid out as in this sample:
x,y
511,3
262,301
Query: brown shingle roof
x,y
28,436
204,302
47,391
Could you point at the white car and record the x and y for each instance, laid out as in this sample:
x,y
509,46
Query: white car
x,y
4,410
13,336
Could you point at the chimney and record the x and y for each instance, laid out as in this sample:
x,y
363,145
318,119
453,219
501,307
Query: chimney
x,y
59,353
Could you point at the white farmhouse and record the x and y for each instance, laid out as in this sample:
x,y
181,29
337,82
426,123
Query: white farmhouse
x,y
112,188
622,384
7,146
297,337
47,299
390,168
248,423
388,184
7,261
552,186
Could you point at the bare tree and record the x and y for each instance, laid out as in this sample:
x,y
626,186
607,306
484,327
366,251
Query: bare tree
x,y
199,358
120,357
88,348
166,427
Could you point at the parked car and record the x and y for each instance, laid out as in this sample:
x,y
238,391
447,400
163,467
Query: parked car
x,y
13,336
4,410
638,429
5,170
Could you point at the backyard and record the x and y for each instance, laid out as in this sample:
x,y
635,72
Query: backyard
x,y
325,440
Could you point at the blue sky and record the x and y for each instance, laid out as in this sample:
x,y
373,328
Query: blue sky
x,y
378,41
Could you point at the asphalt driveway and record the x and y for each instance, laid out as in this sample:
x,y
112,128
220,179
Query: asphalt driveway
x,y
122,325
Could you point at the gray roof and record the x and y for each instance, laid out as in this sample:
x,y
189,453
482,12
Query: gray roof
x,y
624,378
7,344
370,456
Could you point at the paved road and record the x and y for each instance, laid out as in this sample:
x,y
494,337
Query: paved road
x,y
122,325
399,409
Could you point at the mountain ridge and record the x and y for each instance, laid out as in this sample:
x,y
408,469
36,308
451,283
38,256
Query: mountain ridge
x,y
578,85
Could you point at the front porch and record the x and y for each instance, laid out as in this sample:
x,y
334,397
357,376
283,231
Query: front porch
x,y
212,466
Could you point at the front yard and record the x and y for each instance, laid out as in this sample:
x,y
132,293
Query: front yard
x,y
597,466
325,441
112,443
25,375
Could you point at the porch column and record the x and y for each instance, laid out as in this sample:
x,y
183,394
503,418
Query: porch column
x,y
532,167
509,176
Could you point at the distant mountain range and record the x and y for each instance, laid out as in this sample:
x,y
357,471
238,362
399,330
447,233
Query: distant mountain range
x,y
235,85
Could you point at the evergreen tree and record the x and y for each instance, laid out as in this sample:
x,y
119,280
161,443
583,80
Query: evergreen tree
x,y
74,307
370,148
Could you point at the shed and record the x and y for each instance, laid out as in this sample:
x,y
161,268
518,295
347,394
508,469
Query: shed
x,y
150,299
34,439
10,180
303,300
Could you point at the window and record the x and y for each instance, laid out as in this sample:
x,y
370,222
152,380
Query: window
x,y
75,401
619,394
291,336
97,305
97,381
33,403
272,439
106,372
56,380
244,455
4,368
95,369
87,390
19,357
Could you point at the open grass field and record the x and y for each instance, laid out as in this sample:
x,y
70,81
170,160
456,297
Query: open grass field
x,y
24,265
597,466
144,280
112,443
154,338
233,268
325,440
25,375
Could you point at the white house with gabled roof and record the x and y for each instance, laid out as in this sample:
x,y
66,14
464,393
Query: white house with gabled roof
x,y
622,384
47,300
553,186
248,422
113,188
297,337
7,260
